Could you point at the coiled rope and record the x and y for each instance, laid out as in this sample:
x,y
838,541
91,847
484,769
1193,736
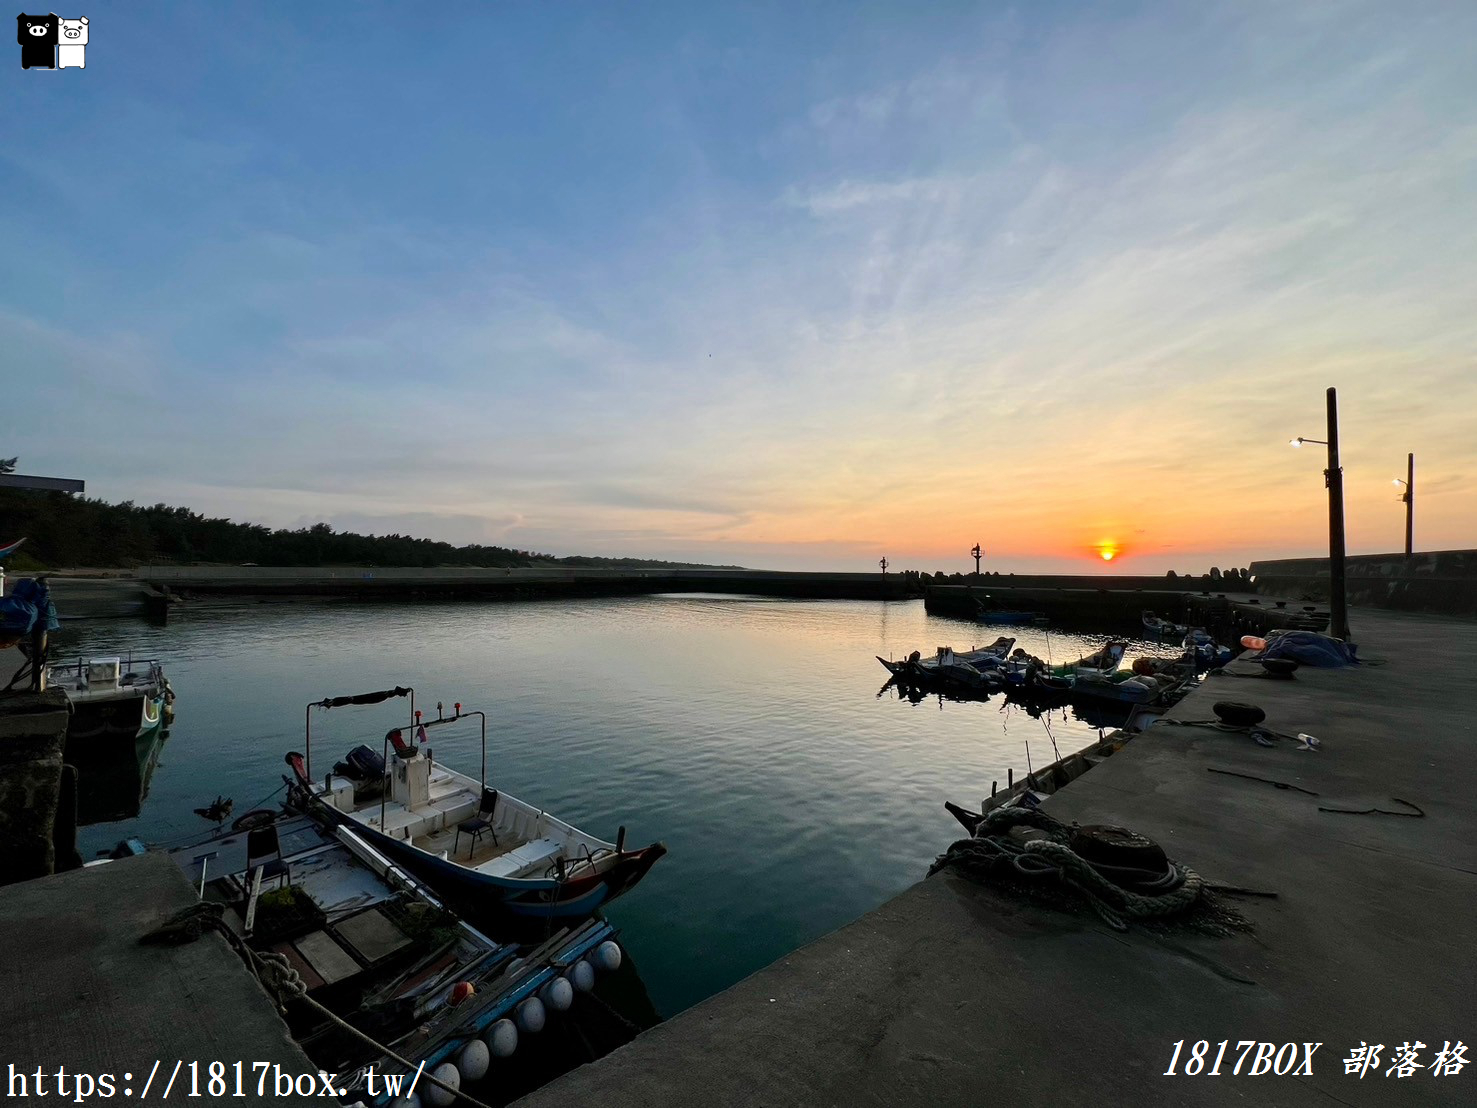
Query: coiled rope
x,y
1116,893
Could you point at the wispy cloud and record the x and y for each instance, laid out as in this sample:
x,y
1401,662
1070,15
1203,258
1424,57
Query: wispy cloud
x,y
1020,278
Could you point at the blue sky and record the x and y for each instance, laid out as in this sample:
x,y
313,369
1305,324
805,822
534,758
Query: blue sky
x,y
777,284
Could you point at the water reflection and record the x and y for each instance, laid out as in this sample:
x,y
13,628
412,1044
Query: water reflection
x,y
745,732
113,774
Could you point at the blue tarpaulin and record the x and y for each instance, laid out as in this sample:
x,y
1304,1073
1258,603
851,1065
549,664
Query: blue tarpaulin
x,y
1312,649
28,604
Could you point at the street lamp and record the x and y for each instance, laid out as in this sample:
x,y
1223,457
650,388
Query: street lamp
x,y
1333,478
1408,496
975,550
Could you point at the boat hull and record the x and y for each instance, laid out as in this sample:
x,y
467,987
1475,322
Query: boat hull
x,y
503,905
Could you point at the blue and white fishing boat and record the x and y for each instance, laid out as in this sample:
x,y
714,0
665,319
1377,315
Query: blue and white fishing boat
x,y
487,853
376,948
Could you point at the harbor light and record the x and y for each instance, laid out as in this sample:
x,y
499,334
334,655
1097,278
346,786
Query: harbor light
x,y
1408,499
1333,480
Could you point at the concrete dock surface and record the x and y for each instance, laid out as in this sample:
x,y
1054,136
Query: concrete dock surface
x,y
82,994
954,993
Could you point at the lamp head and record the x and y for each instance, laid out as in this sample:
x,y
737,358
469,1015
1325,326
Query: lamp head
x,y
1295,442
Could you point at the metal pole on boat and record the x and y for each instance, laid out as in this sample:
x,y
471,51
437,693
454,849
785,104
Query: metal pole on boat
x,y
308,741
385,788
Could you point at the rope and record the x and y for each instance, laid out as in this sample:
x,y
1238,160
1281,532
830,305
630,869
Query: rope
x,y
1419,812
282,982
1263,780
992,853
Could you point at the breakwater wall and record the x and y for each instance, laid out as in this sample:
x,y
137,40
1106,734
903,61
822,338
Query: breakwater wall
x,y
80,596
1118,606
1097,608
1442,581
459,582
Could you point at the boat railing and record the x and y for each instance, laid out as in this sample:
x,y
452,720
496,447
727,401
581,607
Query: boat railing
x,y
420,724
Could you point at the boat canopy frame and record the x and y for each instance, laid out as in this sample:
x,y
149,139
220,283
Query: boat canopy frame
x,y
415,722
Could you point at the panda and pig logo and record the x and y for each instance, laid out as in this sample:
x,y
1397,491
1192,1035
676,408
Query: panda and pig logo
x,y
50,42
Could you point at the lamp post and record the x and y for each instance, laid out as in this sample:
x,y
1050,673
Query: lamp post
x,y
1333,478
883,564
1409,497
975,550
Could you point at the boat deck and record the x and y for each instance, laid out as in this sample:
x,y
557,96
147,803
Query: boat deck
x,y
521,843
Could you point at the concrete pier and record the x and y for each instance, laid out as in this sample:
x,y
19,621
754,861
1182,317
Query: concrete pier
x,y
954,993
33,735
83,995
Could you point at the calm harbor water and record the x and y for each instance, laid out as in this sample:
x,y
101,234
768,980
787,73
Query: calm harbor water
x,y
747,733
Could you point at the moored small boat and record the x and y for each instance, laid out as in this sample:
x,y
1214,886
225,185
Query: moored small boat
x,y
986,615
984,657
1160,629
487,853
1100,663
113,697
375,949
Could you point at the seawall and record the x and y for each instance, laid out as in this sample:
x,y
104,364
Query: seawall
x,y
1442,581
540,582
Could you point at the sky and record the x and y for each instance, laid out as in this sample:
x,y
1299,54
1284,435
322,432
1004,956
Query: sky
x,y
772,284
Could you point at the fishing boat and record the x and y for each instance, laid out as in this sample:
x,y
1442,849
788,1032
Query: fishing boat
x,y
113,697
1198,636
1101,663
987,615
1159,629
946,658
948,670
1029,680
490,855
1123,687
377,950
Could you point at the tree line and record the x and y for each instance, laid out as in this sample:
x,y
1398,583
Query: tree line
x,y
65,531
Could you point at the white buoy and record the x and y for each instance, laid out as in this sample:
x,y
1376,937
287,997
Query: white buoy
x,y
501,1038
606,956
581,975
448,1074
474,1060
558,994
531,1015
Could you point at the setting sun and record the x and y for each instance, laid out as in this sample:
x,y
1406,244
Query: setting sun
x,y
1107,555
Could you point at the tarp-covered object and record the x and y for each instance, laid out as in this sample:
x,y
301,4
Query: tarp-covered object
x,y
28,605
1312,649
362,698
